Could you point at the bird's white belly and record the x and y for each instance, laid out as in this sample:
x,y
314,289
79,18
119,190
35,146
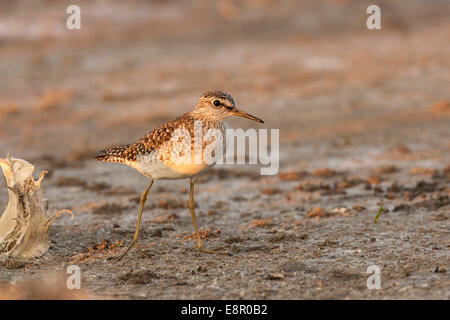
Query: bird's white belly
x,y
151,166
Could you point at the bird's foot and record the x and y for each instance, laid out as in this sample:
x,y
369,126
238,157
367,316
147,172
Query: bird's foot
x,y
133,243
141,253
200,248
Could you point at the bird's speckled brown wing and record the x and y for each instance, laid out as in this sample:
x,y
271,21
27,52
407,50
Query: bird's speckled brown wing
x,y
150,142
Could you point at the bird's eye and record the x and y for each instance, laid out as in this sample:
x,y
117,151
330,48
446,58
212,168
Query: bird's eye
x,y
216,103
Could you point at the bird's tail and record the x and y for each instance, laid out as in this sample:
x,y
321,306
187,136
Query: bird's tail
x,y
114,154
109,158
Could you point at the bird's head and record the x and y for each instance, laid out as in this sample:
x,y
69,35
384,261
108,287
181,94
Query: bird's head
x,y
218,105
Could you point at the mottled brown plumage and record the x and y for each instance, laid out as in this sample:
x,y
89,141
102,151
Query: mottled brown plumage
x,y
150,142
128,154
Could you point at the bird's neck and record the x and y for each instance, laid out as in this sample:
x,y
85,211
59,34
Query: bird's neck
x,y
207,119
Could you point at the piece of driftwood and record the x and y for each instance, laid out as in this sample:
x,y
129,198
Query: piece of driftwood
x,y
23,225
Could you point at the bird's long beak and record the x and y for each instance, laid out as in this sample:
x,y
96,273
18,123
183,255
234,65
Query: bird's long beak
x,y
240,113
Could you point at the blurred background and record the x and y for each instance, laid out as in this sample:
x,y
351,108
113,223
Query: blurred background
x,y
311,68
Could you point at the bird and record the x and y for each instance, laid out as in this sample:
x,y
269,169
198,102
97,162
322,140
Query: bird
x,y
154,155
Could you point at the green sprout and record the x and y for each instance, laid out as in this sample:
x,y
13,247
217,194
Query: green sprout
x,y
378,214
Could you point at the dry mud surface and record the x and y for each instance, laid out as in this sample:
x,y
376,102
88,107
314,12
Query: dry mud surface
x,y
364,120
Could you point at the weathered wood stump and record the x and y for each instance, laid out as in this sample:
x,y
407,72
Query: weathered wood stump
x,y
23,225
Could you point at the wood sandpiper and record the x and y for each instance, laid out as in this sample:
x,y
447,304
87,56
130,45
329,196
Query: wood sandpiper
x,y
152,154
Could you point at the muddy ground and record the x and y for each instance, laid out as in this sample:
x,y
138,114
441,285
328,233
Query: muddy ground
x,y
364,120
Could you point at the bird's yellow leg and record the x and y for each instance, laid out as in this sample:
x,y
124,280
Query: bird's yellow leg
x,y
199,245
134,242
